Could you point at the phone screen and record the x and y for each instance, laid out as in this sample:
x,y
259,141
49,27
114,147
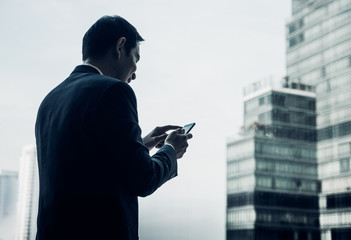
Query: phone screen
x,y
188,127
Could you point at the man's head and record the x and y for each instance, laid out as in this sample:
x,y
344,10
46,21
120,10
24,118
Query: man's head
x,y
115,39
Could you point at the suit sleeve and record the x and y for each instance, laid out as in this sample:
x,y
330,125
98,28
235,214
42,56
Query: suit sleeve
x,y
126,158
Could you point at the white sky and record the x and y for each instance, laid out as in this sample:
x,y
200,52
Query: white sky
x,y
197,57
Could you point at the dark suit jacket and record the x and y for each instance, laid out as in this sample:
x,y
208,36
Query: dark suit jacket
x,y
92,161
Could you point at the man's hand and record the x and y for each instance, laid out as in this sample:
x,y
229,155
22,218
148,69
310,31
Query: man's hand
x,y
157,136
179,141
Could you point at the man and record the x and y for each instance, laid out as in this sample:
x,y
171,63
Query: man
x,y
93,163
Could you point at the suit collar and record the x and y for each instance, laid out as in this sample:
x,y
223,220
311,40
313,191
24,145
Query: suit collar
x,y
93,66
85,69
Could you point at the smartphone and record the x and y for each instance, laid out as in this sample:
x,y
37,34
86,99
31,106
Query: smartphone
x,y
188,127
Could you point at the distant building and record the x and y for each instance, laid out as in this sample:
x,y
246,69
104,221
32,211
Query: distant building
x,y
319,54
28,194
8,200
318,58
272,185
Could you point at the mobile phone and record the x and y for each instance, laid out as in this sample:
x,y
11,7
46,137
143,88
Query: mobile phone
x,y
188,127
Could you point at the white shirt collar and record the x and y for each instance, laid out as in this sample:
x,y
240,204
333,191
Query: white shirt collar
x,y
91,65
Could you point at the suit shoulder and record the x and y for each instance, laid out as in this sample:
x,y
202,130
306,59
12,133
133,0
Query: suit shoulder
x,y
120,90
101,81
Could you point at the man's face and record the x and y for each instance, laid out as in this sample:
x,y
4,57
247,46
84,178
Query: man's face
x,y
129,64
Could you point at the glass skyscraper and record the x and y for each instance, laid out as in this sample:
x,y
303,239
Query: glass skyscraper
x,y
8,200
272,184
28,195
319,54
289,174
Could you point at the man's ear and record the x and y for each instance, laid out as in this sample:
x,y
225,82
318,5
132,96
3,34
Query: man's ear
x,y
120,46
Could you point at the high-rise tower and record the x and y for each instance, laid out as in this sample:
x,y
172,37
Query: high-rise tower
x,y
319,54
28,194
8,200
272,186
318,59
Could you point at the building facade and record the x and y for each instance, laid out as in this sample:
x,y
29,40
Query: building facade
x,y
319,54
27,208
272,185
8,200
289,183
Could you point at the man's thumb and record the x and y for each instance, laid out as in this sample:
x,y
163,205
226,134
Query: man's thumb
x,y
179,131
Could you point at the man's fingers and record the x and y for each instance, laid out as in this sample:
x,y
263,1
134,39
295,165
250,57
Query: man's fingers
x,y
160,144
168,127
189,136
179,131
180,154
160,137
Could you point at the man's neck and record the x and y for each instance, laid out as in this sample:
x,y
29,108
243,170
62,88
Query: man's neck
x,y
104,65
93,66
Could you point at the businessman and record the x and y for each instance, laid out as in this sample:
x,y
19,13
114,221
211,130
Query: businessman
x,y
93,162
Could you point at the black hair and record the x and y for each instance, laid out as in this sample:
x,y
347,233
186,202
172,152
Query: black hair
x,y
104,34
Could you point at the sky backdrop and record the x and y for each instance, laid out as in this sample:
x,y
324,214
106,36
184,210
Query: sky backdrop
x,y
197,57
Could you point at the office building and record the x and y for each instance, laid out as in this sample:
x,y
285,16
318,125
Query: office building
x,y
28,194
319,54
272,186
318,58
8,200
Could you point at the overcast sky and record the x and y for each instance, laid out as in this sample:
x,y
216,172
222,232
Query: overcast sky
x,y
197,57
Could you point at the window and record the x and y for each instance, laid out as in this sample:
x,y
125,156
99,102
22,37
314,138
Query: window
x,y
237,167
301,37
278,100
325,133
269,99
344,128
287,217
311,120
264,182
297,39
292,28
235,185
261,101
265,117
301,23
241,217
240,199
340,200
344,149
344,165
292,42
240,150
293,184
286,150
281,116
336,184
265,165
326,153
297,117
285,200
